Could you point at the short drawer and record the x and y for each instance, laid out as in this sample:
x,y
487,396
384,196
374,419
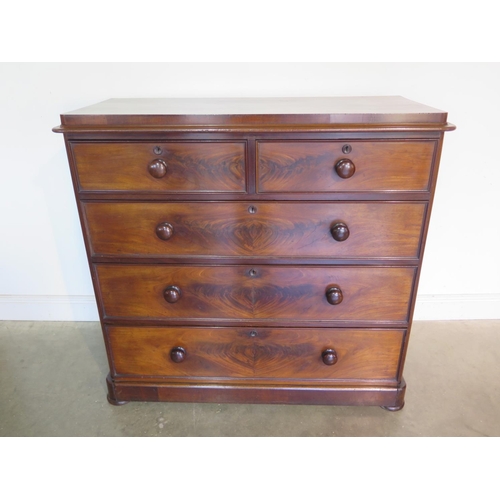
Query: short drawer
x,y
295,167
320,354
172,166
335,293
323,230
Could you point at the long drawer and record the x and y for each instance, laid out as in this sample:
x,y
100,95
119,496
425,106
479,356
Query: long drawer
x,y
322,166
320,354
169,167
260,292
329,230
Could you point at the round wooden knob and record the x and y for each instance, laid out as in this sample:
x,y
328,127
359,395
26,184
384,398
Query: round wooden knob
x,y
345,168
178,354
334,295
172,294
329,357
164,231
157,169
340,231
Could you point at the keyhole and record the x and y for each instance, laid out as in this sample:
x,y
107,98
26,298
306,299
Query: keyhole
x,y
253,333
157,150
252,272
252,209
346,149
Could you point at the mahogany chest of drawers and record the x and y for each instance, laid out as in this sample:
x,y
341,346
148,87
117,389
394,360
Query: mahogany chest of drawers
x,y
255,250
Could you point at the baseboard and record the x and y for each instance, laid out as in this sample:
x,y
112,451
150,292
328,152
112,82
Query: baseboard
x,y
457,306
48,308
83,307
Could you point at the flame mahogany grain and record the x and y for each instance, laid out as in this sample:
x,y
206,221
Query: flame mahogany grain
x,y
276,229
191,166
273,293
310,166
272,353
218,230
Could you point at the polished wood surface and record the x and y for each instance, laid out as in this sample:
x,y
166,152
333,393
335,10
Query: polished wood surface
x,y
334,295
172,294
259,292
157,168
340,231
270,353
181,166
256,250
164,230
241,111
305,166
381,394
329,357
177,354
376,230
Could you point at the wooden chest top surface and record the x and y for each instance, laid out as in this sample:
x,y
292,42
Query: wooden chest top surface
x,y
250,111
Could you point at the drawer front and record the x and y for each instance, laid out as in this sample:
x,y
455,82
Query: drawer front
x,y
259,292
274,229
256,353
183,166
310,166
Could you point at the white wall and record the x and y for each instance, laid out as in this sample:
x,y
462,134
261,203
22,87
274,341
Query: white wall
x,y
43,268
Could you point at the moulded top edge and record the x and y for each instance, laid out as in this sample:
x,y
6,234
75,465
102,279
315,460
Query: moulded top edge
x,y
386,110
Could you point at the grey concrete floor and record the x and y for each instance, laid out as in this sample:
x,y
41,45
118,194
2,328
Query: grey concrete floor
x,y
52,383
